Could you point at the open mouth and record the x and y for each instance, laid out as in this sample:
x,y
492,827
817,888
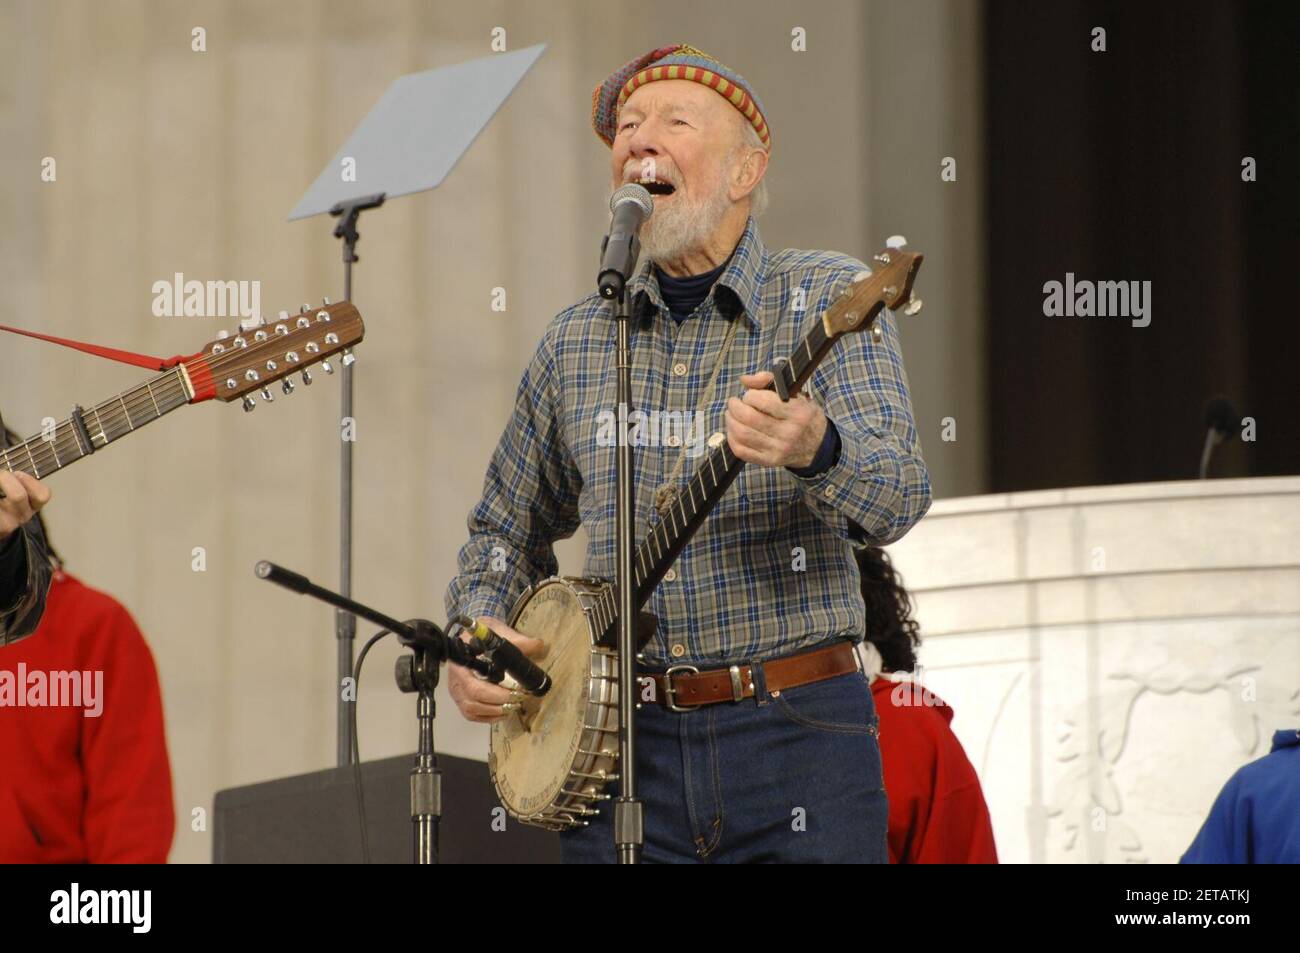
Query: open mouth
x,y
658,188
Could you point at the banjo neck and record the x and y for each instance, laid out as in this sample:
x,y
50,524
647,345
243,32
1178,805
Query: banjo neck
x,y
715,474
856,308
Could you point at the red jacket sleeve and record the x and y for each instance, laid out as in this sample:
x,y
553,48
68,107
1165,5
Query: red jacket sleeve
x,y
958,832
129,816
957,828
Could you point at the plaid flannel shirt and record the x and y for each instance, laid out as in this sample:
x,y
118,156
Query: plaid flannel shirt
x,y
771,571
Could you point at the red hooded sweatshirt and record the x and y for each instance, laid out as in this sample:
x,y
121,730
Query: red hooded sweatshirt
x,y
937,813
75,788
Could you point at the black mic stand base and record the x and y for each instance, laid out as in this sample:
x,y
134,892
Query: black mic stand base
x,y
418,673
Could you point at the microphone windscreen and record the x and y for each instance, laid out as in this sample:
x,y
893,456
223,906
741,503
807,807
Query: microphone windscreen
x,y
633,193
1221,415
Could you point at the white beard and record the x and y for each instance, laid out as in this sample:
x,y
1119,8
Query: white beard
x,y
677,227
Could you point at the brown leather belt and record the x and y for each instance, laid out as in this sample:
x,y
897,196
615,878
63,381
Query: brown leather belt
x,y
684,687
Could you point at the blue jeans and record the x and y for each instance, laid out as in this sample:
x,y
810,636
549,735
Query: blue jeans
x,y
792,777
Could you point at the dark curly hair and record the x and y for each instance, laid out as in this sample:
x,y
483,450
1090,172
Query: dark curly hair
x,y
890,626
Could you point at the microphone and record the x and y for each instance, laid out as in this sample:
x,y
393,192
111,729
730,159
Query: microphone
x,y
1220,419
630,206
282,577
518,666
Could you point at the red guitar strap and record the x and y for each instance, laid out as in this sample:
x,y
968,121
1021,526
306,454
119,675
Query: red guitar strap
x,y
112,353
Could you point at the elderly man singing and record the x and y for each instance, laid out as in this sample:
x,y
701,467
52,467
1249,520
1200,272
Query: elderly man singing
x,y
791,771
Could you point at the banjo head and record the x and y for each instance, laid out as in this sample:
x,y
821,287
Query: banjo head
x,y
549,760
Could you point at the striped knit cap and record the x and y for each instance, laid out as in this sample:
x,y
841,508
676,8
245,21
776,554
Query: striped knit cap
x,y
673,62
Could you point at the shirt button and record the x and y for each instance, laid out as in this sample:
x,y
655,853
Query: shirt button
x,y
672,440
670,575
677,650
828,492
679,369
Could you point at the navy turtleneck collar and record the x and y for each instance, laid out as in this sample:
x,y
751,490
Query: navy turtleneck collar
x,y
683,295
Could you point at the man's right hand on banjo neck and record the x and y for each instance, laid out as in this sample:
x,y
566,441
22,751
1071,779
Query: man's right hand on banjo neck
x,y
476,697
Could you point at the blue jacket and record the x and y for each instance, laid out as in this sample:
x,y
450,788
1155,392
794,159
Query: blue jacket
x,y
1255,819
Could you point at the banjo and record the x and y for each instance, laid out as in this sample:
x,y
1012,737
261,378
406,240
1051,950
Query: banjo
x,y
552,756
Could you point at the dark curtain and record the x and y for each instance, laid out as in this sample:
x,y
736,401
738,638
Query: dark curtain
x,y
1127,165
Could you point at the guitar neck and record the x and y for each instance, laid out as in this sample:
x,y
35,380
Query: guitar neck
x,y
56,447
697,499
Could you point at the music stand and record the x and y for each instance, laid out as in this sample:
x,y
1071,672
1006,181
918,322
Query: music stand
x,y
408,142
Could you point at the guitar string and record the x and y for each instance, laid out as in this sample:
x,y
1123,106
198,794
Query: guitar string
x,y
49,452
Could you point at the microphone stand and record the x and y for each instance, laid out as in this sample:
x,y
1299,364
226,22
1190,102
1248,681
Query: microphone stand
x,y
418,673
619,255
345,624
629,830
415,673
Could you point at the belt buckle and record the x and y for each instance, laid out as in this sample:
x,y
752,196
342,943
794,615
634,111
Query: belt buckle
x,y
669,694
737,686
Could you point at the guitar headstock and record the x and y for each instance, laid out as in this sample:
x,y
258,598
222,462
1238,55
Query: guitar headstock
x,y
888,286
259,352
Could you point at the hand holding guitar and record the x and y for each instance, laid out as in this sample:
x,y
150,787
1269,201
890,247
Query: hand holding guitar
x,y
771,432
21,497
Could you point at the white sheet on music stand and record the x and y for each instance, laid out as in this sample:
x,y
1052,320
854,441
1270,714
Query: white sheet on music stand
x,y
418,130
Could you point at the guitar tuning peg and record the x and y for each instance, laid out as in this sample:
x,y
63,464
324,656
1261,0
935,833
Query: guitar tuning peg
x,y
306,378
325,366
349,358
895,241
286,385
913,305
249,403
305,308
267,395
325,302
